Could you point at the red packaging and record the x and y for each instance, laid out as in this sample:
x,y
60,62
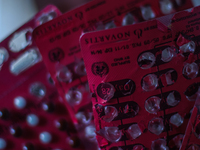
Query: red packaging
x,y
191,139
58,40
32,115
143,81
15,46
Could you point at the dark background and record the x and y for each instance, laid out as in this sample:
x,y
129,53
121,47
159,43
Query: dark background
x,y
63,5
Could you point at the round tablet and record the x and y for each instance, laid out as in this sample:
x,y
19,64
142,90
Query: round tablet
x,y
2,143
20,102
45,137
32,119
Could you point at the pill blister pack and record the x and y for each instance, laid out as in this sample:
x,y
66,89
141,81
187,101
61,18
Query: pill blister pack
x,y
33,117
58,41
20,58
144,80
191,139
32,114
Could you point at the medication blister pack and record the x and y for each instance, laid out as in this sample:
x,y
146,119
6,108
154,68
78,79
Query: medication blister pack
x,y
32,114
19,53
144,79
191,139
33,117
58,42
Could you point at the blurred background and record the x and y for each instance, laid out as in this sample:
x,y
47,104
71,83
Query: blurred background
x,y
14,13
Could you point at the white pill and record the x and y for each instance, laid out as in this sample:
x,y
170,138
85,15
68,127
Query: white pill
x,y
45,137
2,143
90,132
3,55
20,102
20,40
24,61
32,120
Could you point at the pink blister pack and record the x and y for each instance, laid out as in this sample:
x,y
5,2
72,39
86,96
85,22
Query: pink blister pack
x,y
58,40
144,81
32,114
33,117
191,139
19,48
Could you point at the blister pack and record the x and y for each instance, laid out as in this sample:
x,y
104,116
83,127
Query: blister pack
x,y
58,40
33,117
19,56
144,80
32,114
191,139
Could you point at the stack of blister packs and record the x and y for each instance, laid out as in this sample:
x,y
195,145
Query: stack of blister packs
x,y
110,75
